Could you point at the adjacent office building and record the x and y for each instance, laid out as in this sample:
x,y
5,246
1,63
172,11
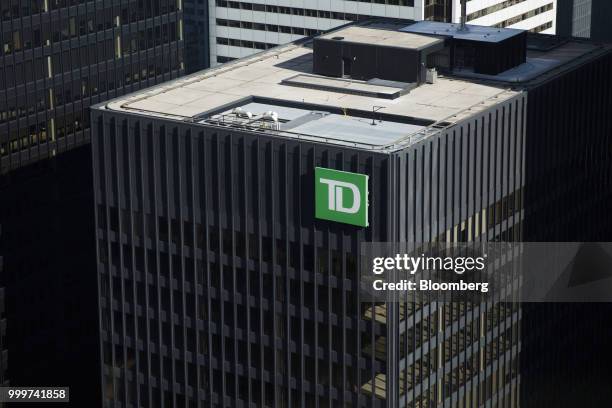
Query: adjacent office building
x,y
243,27
224,279
585,18
196,35
57,58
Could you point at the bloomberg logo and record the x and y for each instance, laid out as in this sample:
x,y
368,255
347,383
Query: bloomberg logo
x,y
341,196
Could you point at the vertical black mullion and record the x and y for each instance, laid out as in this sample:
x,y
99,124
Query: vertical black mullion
x,y
129,141
219,258
108,194
119,236
287,298
482,203
343,352
232,229
205,168
145,176
156,137
196,213
181,138
260,219
168,168
192,187
272,223
300,238
98,174
247,271
328,315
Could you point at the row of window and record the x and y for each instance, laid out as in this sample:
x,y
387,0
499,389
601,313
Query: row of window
x,y
151,37
266,27
245,43
24,138
72,27
233,349
492,9
61,126
40,100
13,9
301,11
261,393
542,27
295,11
525,16
223,59
489,217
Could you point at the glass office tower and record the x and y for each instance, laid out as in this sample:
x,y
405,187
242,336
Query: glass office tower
x,y
219,286
59,57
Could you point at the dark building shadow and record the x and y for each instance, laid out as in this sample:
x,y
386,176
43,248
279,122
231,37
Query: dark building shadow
x,y
50,276
566,354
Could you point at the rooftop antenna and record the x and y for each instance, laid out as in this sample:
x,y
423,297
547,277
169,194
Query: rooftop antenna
x,y
463,16
375,109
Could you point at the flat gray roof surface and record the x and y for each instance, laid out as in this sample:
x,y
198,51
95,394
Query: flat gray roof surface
x,y
326,125
358,130
265,76
377,36
473,32
261,75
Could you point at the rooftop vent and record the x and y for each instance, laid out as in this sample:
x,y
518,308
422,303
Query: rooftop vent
x,y
463,16
241,113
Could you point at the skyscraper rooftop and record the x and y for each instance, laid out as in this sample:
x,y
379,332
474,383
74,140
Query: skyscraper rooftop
x,y
282,90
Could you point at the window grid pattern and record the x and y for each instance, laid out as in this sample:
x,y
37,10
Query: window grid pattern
x,y
57,58
217,283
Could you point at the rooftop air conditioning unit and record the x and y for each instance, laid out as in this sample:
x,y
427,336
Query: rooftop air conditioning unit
x,y
270,116
241,113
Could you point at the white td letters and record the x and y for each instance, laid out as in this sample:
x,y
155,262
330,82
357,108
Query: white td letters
x,y
335,196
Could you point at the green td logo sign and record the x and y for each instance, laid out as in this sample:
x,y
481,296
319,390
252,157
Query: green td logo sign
x,y
341,196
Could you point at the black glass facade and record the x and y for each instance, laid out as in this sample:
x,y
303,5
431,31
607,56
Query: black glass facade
x,y
197,55
49,279
58,57
219,287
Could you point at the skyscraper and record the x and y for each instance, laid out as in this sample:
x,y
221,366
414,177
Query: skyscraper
x,y
214,255
58,58
240,28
